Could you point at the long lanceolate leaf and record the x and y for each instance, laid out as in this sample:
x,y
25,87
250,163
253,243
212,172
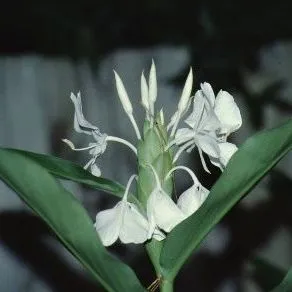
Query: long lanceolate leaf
x,y
251,162
67,218
68,170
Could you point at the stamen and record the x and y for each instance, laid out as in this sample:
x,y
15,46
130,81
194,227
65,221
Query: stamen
x,y
71,145
125,142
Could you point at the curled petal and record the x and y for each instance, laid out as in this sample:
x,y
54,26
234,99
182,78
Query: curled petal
x,y
81,125
227,112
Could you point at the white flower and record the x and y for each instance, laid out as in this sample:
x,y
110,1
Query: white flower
x,y
162,212
191,199
124,221
211,121
81,125
97,148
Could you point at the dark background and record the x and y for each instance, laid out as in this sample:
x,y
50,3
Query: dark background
x,y
223,37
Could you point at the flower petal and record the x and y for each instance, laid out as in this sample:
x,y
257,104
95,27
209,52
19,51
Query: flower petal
x,y
183,135
79,121
208,144
162,211
108,223
134,228
193,120
226,151
192,199
208,93
227,112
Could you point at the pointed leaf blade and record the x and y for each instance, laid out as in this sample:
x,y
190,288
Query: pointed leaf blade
x,y
251,162
67,218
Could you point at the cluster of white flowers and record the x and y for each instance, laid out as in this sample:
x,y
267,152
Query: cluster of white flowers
x,y
209,124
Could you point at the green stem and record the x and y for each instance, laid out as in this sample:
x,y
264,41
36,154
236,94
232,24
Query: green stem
x,y
166,286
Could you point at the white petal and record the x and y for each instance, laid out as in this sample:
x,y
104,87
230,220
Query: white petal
x,y
182,135
186,93
123,95
226,152
95,170
108,225
195,117
144,93
79,120
163,211
208,93
227,112
135,227
152,84
208,145
192,199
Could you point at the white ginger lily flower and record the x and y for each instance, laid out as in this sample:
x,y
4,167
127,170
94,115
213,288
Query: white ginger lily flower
x,y
211,121
97,148
162,212
124,221
191,199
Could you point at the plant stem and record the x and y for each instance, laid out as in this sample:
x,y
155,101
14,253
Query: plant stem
x,y
166,286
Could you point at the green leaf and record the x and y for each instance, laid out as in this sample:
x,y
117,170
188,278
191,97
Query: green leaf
x,y
68,170
286,284
67,218
250,163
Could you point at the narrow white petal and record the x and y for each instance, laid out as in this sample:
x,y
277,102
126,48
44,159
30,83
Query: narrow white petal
x,y
186,93
108,225
192,199
163,210
152,86
227,112
208,93
144,93
135,227
193,120
226,152
123,95
79,120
